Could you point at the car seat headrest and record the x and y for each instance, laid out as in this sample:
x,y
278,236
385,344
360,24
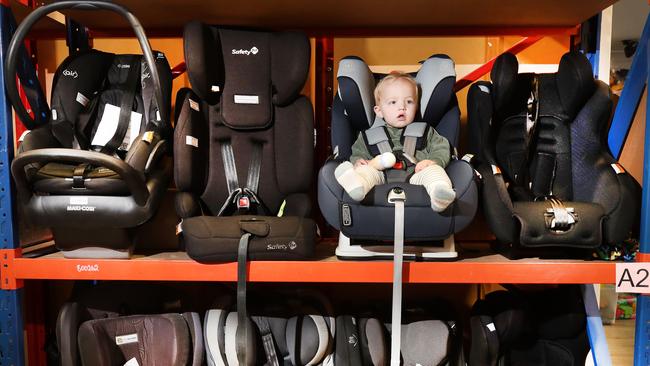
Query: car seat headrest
x,y
356,87
503,76
248,71
435,78
425,342
509,314
575,81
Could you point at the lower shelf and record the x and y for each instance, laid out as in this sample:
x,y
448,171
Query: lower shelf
x,y
177,266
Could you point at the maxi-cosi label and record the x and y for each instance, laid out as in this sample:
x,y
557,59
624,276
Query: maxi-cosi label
x,y
79,203
252,51
87,268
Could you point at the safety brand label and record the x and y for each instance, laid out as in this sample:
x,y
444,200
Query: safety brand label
x,y
247,99
126,339
633,277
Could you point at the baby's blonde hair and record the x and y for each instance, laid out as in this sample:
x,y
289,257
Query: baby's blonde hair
x,y
394,76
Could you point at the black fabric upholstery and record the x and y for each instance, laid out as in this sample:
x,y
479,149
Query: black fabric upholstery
x,y
575,81
519,328
544,136
191,142
503,76
210,239
204,60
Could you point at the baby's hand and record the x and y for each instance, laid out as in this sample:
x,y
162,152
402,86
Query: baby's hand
x,y
423,164
360,162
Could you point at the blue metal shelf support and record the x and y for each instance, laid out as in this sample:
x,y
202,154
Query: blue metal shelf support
x,y
640,77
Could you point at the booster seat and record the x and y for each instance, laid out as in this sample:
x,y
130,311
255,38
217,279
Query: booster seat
x,y
372,218
110,323
91,167
550,186
243,146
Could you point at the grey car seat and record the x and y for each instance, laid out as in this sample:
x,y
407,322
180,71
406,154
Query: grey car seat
x,y
365,224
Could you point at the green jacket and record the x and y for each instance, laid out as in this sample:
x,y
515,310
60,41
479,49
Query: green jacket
x,y
436,149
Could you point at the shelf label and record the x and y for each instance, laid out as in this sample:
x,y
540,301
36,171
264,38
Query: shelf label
x,y
87,268
633,277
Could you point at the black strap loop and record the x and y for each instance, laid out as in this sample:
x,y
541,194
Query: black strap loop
x,y
242,311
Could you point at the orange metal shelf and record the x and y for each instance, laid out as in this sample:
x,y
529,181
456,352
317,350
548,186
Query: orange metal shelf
x,y
178,267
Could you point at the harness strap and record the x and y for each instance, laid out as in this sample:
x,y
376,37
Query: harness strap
x,y
267,340
126,107
254,167
229,167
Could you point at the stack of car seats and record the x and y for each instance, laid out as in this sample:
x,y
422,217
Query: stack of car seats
x,y
92,166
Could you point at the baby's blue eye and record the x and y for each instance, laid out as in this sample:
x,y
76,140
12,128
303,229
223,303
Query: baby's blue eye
x,y
410,101
392,102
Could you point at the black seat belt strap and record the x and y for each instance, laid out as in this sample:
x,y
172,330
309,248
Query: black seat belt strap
x,y
241,334
254,167
126,107
229,167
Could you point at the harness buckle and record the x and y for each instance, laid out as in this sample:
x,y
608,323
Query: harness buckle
x,y
560,218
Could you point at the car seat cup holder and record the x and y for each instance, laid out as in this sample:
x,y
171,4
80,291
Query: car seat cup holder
x,y
93,187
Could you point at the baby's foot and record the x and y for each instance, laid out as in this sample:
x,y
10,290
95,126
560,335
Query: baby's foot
x,y
351,182
442,196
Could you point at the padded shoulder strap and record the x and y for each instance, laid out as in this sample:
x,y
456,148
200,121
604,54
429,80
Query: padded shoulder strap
x,y
376,138
356,87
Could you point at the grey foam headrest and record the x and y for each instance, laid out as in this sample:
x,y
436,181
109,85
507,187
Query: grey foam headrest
x,y
436,78
249,72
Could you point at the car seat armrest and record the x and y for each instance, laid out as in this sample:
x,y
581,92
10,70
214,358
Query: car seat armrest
x,y
133,179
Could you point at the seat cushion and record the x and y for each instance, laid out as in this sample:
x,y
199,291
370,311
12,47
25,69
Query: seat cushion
x,y
162,340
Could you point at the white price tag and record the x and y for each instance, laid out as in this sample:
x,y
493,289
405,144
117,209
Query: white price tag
x,y
633,277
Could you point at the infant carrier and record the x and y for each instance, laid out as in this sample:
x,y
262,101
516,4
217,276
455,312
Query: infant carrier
x,y
92,166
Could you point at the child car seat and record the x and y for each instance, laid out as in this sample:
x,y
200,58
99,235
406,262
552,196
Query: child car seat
x,y
91,167
430,336
243,146
529,329
293,328
110,323
550,186
372,219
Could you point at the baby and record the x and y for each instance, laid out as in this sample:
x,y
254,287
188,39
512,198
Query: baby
x,y
396,99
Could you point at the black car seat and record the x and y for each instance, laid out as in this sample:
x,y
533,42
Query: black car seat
x,y
112,322
92,166
550,187
370,221
516,328
292,328
243,145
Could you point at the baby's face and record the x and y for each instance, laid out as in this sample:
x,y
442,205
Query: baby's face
x,y
397,103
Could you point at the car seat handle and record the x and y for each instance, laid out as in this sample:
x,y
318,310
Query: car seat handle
x,y
33,17
133,179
